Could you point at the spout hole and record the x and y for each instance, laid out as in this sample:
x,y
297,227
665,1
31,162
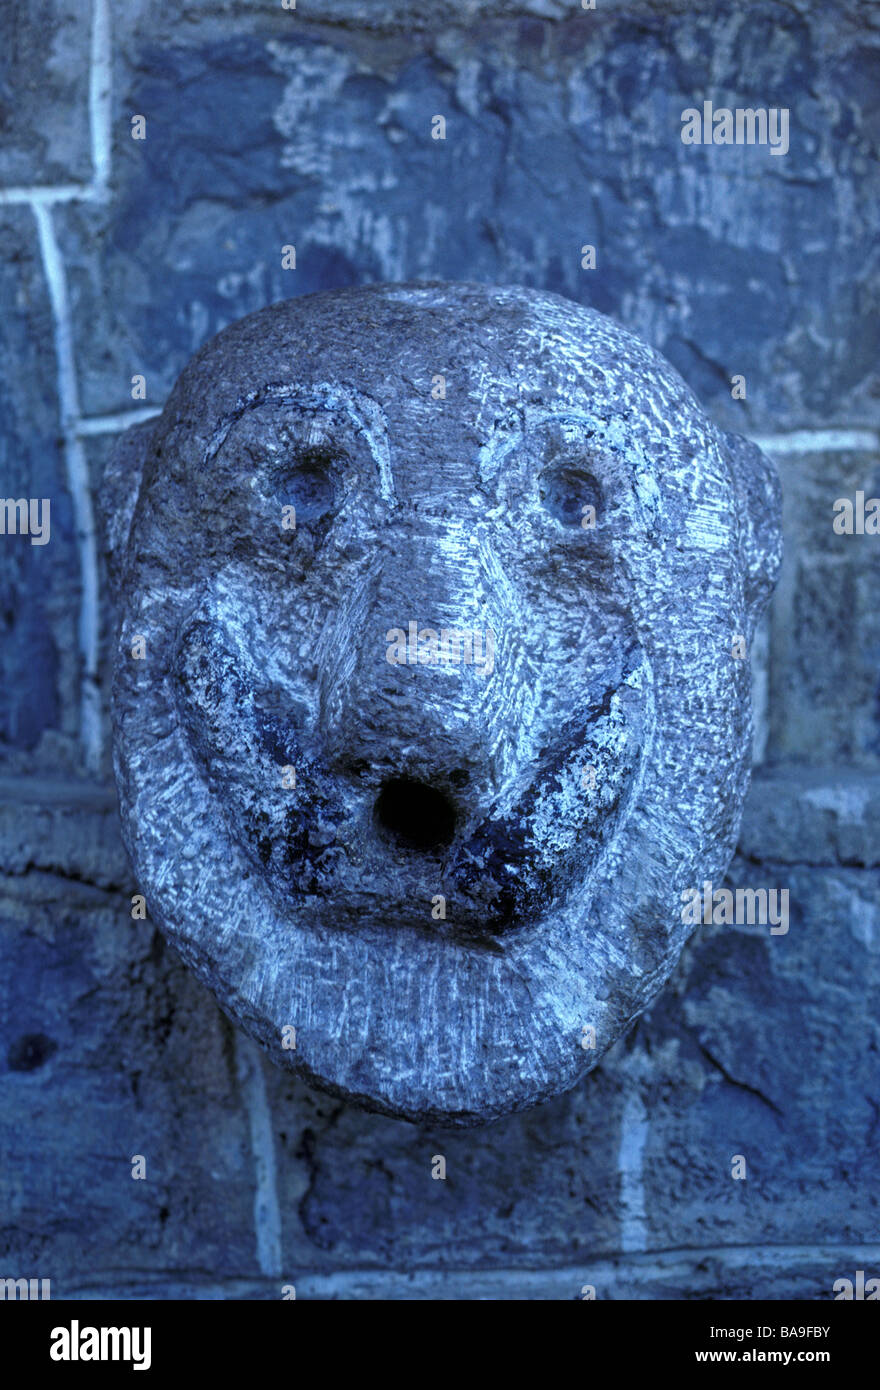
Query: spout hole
x,y
416,815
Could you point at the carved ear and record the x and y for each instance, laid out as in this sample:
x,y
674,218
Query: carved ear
x,y
759,503
120,486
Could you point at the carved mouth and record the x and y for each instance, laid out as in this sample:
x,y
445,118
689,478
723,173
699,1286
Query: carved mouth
x,y
415,816
405,853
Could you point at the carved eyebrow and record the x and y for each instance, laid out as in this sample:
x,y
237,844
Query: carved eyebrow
x,y
365,414
509,430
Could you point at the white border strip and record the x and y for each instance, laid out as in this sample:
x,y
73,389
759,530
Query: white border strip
x,y
116,423
267,1213
78,485
819,441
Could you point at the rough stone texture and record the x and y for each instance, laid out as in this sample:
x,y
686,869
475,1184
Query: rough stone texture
x,y
585,1188
623,1182
558,781
727,259
809,815
825,619
39,584
44,119
102,1042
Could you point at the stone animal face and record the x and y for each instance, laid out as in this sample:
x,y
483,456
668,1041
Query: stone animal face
x,y
440,702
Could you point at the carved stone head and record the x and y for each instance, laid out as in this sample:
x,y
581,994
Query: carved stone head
x,y
432,687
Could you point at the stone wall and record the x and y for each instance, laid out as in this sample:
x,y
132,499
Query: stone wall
x,y
266,128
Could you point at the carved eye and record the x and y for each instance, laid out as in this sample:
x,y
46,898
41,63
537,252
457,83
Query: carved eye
x,y
572,496
310,484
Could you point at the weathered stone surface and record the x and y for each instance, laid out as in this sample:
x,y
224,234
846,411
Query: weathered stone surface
x,y
804,1272
39,833
44,87
559,134
442,865
39,583
820,816
824,634
96,1075
110,1048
